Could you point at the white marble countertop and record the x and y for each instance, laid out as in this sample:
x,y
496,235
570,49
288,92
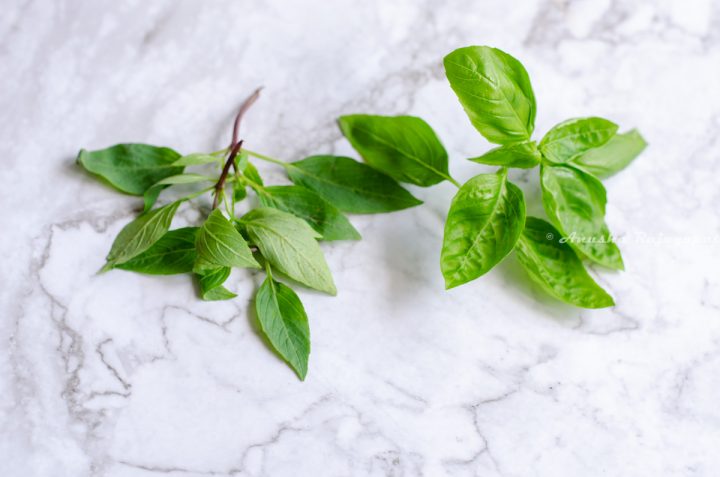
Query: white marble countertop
x,y
122,375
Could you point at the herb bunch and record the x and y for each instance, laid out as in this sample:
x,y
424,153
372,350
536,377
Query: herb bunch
x,y
279,234
487,217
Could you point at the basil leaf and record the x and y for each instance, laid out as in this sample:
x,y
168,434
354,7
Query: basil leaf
x,y
283,320
211,281
197,159
613,156
350,185
555,267
151,196
403,147
320,214
140,234
131,168
219,244
495,91
173,253
289,244
188,178
575,202
239,191
485,220
574,137
252,173
523,154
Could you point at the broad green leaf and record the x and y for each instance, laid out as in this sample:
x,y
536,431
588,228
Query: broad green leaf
x,y
575,202
322,216
485,220
219,244
140,234
554,266
283,320
613,156
289,244
197,159
351,186
574,137
173,253
495,91
523,154
403,147
211,282
131,168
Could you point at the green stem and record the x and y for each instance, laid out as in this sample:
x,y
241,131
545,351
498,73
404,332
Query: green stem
x,y
453,182
263,157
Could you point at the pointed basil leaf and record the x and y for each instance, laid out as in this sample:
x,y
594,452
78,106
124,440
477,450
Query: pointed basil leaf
x,y
283,320
575,202
495,91
252,173
289,244
613,156
574,137
523,154
320,214
485,220
219,244
173,253
403,147
140,234
197,159
554,266
211,281
151,196
131,168
351,186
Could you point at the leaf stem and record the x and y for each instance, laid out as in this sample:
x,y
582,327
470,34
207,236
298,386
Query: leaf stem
x,y
453,181
263,157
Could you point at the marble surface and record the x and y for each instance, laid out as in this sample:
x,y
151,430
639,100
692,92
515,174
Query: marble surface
x,y
121,375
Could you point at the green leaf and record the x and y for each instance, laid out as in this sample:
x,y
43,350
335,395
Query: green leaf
x,y
131,168
523,154
219,244
197,159
173,253
140,234
575,202
495,91
239,191
403,147
153,192
554,266
289,244
350,185
211,282
574,137
320,214
613,156
252,173
283,320
485,220
188,178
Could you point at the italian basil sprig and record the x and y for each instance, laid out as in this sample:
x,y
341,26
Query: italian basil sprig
x,y
487,217
279,234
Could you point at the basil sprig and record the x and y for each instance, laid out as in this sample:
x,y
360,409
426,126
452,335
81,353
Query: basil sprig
x,y
279,234
487,218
